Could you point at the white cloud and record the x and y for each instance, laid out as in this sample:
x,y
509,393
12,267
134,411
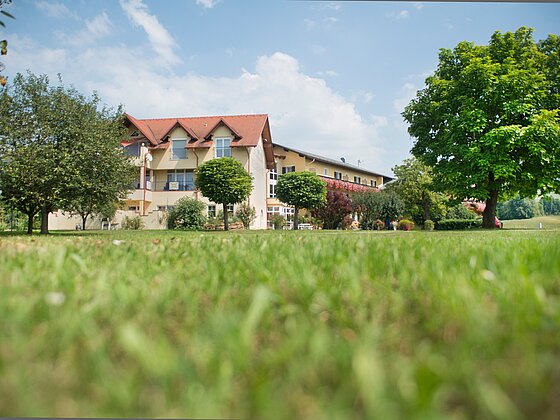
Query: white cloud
x,y
418,6
162,42
96,28
309,23
329,73
330,20
207,4
55,10
403,14
100,25
407,93
304,111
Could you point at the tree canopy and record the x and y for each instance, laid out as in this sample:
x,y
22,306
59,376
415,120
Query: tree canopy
x,y
414,184
303,190
225,181
58,150
487,121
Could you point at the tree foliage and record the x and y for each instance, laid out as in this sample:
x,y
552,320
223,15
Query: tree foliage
x,y
374,206
487,121
225,181
303,190
414,184
4,42
58,150
187,214
335,209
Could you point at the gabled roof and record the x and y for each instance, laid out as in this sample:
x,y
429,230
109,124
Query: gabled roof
x,y
246,129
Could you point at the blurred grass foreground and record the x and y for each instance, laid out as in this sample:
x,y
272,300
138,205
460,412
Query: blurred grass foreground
x,y
432,325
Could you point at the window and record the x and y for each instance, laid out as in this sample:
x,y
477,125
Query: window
x,y
272,191
337,175
357,179
223,147
133,208
273,174
373,183
326,172
211,210
132,149
178,149
286,169
230,208
135,133
165,208
180,180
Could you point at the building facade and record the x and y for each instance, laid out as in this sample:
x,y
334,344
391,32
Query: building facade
x,y
168,151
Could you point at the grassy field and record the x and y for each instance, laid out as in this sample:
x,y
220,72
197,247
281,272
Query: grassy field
x,y
308,324
546,222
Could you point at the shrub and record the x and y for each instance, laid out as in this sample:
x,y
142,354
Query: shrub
x,y
428,225
133,223
405,224
460,211
459,224
246,214
277,221
346,222
378,225
188,214
334,210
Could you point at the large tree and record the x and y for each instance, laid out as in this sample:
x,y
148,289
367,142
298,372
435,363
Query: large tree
x,y
414,184
303,190
225,181
53,143
487,121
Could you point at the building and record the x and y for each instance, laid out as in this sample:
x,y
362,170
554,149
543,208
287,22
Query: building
x,y
338,175
168,151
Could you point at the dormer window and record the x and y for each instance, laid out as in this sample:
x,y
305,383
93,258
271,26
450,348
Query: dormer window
x,y
135,133
178,149
222,147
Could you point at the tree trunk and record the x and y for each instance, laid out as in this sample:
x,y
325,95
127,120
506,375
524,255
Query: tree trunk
x,y
84,218
226,215
296,217
426,207
44,221
489,213
30,217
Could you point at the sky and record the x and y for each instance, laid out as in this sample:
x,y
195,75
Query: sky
x,y
334,77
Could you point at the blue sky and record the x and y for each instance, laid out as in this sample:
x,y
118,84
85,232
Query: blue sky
x,y
333,76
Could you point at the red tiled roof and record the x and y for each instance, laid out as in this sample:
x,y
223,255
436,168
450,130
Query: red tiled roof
x,y
247,130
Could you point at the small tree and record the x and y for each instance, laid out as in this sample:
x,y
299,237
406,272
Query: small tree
x,y
187,214
301,190
225,181
246,214
374,206
333,212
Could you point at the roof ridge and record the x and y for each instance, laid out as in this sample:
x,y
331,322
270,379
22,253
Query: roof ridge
x,y
201,117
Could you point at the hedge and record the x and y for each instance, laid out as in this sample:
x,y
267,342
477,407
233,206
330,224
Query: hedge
x,y
458,224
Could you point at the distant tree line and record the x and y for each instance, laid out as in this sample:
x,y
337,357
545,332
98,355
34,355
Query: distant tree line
x,y
527,208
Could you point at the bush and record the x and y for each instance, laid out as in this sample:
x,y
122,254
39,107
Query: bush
x,y
277,221
246,214
188,214
133,223
378,225
405,224
429,225
346,222
460,211
459,224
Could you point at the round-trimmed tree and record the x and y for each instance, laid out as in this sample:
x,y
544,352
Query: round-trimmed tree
x,y
303,190
225,181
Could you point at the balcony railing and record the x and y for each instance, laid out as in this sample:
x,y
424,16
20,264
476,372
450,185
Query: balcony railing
x,y
169,186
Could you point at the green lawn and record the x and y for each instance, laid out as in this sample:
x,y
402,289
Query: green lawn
x,y
428,325
546,222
